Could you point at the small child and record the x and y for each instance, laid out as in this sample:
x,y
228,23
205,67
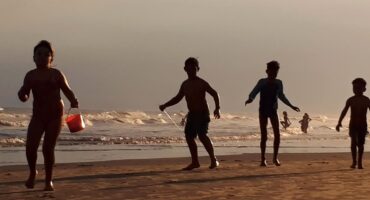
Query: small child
x,y
194,90
183,120
286,122
270,90
359,105
304,122
45,82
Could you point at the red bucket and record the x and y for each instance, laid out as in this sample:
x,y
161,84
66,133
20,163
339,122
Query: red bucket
x,y
75,122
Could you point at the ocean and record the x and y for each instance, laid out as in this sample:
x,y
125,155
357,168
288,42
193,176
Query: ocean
x,y
112,135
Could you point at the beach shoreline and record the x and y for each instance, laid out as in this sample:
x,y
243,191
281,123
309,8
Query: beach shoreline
x,y
301,176
107,152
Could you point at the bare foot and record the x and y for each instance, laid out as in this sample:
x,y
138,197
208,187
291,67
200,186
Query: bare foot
x,y
49,186
214,164
276,162
359,166
30,183
263,163
353,166
191,166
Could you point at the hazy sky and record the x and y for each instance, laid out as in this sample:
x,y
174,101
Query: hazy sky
x,y
129,55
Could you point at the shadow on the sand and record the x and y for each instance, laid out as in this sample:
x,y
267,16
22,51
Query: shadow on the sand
x,y
114,176
99,176
154,173
258,176
246,178
22,192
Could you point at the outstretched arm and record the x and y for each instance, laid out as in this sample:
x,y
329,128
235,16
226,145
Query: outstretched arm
x,y
67,91
254,92
344,112
173,101
24,91
216,98
283,98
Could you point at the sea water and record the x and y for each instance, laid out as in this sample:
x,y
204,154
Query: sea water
x,y
112,135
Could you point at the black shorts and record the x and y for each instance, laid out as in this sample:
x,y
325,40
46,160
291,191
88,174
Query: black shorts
x,y
197,124
268,114
358,134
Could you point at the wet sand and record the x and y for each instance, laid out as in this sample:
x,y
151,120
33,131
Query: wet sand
x,y
301,176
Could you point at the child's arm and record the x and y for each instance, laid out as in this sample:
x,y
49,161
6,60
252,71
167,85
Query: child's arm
x,y
342,115
216,98
24,91
67,90
254,92
283,98
173,101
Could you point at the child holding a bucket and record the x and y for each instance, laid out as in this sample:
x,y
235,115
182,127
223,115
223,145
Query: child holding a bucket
x,y
194,90
45,82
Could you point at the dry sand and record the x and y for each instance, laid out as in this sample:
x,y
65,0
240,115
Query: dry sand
x,y
301,176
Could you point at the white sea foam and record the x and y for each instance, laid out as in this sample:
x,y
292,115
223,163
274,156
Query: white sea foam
x,y
14,124
138,127
15,141
133,118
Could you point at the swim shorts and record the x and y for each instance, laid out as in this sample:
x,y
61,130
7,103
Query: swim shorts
x,y
197,124
358,134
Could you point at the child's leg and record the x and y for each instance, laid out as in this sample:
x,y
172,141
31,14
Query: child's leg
x,y
263,127
34,134
353,151
283,124
305,128
361,143
275,127
190,140
48,147
190,135
207,143
360,153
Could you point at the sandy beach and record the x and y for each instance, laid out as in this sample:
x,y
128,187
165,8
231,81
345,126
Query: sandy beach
x,y
301,176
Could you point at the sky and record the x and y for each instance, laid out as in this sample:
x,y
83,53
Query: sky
x,y
129,55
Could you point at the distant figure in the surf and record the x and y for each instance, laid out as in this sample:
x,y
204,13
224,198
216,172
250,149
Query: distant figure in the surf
x,y
359,104
286,122
194,90
183,120
270,90
45,82
304,122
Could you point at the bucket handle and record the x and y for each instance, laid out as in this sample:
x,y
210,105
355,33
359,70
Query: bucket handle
x,y
69,110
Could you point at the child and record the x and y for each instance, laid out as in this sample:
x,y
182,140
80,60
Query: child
x,y
286,123
304,122
270,89
194,90
45,83
359,105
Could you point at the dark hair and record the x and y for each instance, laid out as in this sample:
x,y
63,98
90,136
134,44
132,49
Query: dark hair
x,y
46,44
359,81
191,62
273,65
